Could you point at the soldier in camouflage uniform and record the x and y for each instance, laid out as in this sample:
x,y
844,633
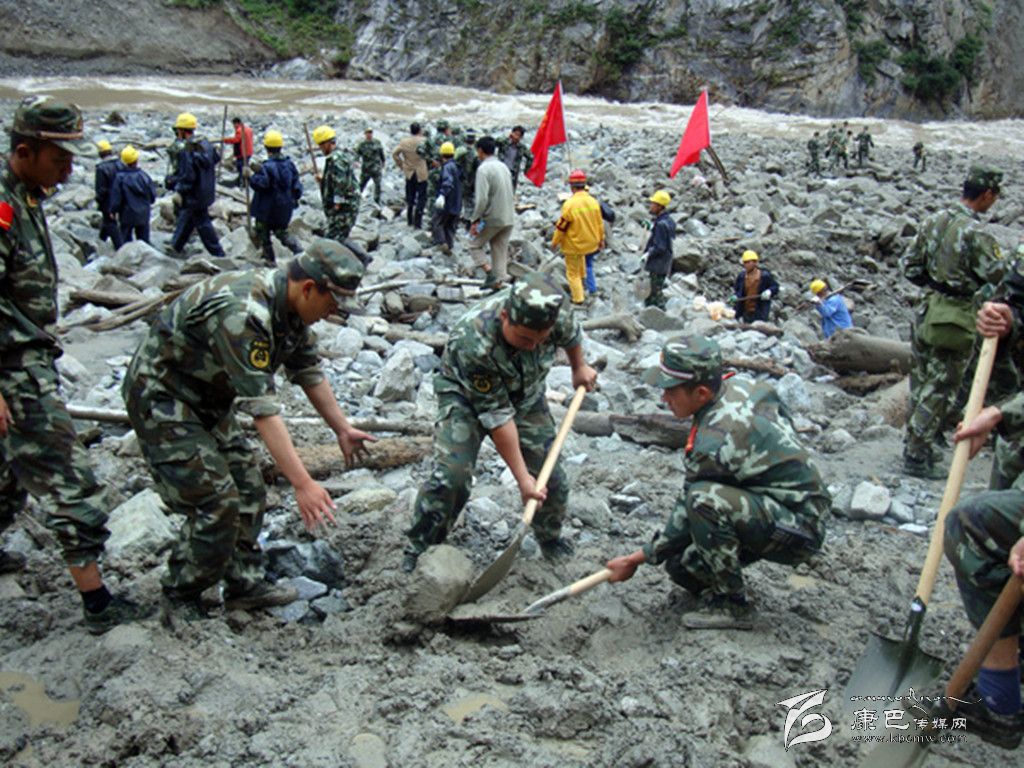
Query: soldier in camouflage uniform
x,y
959,265
429,149
751,491
984,536
919,156
514,154
468,162
864,145
814,149
39,450
211,354
371,163
338,189
492,382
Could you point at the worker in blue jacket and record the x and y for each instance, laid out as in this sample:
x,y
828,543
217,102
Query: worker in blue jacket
x,y
832,308
276,192
131,196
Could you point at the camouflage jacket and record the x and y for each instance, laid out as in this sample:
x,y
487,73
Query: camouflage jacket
x,y
338,185
430,149
433,182
744,438
864,141
218,346
514,156
495,378
953,255
28,277
174,151
813,146
371,155
468,162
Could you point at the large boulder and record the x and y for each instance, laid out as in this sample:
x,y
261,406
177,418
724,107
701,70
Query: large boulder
x,y
140,527
443,575
398,378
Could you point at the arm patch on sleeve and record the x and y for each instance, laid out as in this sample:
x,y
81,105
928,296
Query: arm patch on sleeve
x,y
259,355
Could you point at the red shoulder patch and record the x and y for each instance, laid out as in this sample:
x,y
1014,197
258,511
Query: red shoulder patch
x,y
6,216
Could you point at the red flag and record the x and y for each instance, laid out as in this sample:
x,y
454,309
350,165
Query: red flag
x,y
550,133
696,137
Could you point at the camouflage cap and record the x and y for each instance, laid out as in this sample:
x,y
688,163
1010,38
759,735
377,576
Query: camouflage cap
x,y
535,301
686,360
43,117
985,177
442,125
333,266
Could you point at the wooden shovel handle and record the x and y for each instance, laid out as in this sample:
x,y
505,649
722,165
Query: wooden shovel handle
x,y
957,470
556,448
987,635
589,582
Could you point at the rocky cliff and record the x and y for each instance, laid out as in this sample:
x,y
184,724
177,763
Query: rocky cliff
x,y
904,58
881,57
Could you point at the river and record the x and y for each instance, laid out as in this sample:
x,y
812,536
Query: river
x,y
369,101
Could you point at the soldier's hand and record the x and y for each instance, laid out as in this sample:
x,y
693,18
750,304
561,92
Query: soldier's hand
x,y
979,428
622,568
353,446
315,505
994,319
528,491
585,376
177,199
1016,561
6,418
474,229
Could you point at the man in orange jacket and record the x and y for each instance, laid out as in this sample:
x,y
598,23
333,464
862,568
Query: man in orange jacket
x,y
579,232
242,146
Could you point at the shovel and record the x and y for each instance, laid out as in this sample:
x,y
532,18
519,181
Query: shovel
x,y
536,609
913,754
888,666
497,570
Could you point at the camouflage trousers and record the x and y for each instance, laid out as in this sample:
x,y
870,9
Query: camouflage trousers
x,y
262,233
339,224
41,455
934,382
457,438
814,166
208,473
366,176
716,529
979,533
656,297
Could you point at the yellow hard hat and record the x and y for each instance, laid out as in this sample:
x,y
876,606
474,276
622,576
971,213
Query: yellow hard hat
x,y
103,145
749,256
817,286
129,155
662,198
187,121
273,140
448,149
323,133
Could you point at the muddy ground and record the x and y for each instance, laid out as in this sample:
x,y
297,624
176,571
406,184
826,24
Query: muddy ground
x,y
607,679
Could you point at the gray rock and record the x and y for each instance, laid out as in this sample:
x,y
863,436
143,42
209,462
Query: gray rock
x,y
656,319
900,512
870,502
293,612
140,527
398,378
842,497
331,604
442,576
793,393
347,343
753,221
409,248
837,440
365,500
315,559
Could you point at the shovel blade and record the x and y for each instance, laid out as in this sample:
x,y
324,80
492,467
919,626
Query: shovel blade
x,y
488,613
497,570
889,668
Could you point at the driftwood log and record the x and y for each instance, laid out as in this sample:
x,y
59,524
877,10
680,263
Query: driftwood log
x,y
761,327
862,384
397,332
325,461
644,428
759,364
854,351
625,324
109,299
113,416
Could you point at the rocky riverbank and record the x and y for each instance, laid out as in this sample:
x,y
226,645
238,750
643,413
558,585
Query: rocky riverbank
x,y
611,678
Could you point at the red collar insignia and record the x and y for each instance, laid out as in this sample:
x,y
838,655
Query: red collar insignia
x,y
6,216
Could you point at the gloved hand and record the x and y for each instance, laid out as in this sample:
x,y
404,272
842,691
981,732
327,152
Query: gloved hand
x,y
439,202
256,166
247,172
816,299
766,294
176,199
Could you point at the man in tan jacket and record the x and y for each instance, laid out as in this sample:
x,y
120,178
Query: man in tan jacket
x,y
409,158
493,215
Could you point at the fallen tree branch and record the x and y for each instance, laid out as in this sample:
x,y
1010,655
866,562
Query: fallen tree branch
x,y
109,299
759,364
113,416
325,461
854,351
403,283
761,327
625,324
398,333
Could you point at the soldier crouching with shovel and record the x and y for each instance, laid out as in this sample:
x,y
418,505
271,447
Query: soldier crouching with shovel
x,y
751,491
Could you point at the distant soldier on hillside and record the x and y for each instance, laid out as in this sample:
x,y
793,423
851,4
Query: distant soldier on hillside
x,y
814,149
864,144
371,162
919,156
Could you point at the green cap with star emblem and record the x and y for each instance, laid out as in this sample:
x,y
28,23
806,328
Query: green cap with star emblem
x,y
686,360
46,118
333,266
535,301
985,177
